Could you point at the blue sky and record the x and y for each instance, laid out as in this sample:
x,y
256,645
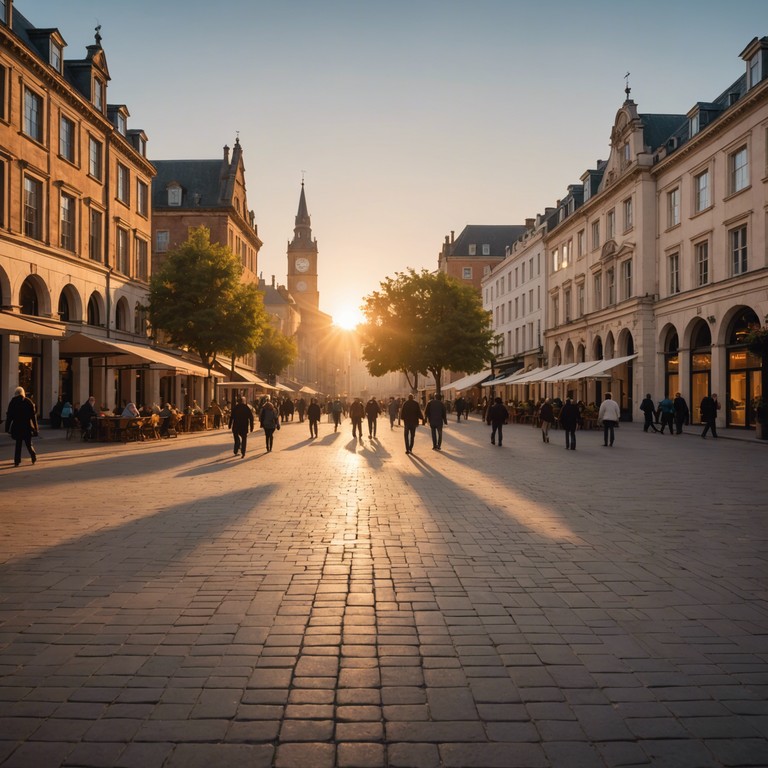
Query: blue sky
x,y
410,118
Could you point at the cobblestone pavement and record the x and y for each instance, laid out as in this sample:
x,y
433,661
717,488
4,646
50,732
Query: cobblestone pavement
x,y
338,603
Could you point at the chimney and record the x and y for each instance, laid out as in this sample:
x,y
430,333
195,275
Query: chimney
x,y
226,154
273,281
451,236
529,223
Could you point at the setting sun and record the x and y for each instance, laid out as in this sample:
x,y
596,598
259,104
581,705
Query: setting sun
x,y
348,318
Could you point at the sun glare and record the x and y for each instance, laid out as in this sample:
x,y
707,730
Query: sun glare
x,y
348,318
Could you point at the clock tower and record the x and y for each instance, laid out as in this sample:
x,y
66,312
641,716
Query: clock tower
x,y
302,260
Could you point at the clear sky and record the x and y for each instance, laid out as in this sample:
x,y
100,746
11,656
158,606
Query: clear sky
x,y
409,118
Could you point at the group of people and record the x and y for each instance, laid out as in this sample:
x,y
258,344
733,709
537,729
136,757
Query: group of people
x,y
673,413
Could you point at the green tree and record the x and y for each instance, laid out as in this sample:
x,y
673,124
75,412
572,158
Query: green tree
x,y
421,322
275,353
198,301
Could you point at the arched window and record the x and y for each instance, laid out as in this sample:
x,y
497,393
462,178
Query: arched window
x,y
94,315
121,315
28,299
64,312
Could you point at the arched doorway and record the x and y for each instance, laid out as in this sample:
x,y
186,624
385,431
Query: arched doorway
x,y
701,365
671,362
743,377
30,349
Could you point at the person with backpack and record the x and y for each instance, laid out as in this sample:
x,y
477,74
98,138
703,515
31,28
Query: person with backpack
x,y
336,411
667,411
269,421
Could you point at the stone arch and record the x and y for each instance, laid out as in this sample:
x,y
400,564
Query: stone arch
x,y
625,343
610,346
34,297
568,352
597,348
95,314
735,321
70,306
580,353
5,289
122,315
557,355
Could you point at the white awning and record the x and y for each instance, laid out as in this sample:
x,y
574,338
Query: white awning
x,y
606,365
469,381
540,374
10,322
306,390
509,379
573,372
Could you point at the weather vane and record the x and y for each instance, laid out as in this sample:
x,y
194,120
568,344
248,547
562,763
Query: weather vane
x,y
627,89
302,177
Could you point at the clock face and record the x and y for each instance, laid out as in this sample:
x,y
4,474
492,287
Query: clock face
x,y
301,285
302,264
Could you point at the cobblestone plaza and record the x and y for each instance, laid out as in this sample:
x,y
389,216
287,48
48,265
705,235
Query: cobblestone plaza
x,y
338,603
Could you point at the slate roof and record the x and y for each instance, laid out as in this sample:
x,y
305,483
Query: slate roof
x,y
658,128
197,177
498,236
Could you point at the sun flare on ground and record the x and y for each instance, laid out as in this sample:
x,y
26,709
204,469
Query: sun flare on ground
x,y
347,318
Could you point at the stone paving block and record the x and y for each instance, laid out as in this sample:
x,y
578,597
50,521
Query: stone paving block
x,y
305,756
413,756
360,755
493,755
221,756
94,755
39,754
136,755
360,731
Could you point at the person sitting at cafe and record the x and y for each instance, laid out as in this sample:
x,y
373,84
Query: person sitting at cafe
x,y
130,412
86,414
145,410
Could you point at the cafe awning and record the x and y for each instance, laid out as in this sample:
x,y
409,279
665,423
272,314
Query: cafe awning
x,y
23,326
305,390
469,381
246,379
603,366
128,355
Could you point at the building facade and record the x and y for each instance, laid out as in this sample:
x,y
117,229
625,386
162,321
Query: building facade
x,y
75,217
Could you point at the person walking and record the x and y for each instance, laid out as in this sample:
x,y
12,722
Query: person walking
x,y
313,416
709,408
609,414
393,409
682,413
21,424
546,417
497,416
241,423
336,410
356,413
410,415
436,415
569,420
459,407
269,421
372,412
667,410
649,411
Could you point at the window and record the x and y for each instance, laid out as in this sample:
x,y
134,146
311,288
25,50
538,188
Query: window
x,y
738,170
98,94
55,56
595,235
580,300
753,71
567,305
626,279
522,275
122,125
33,208
67,223
610,225
4,11
580,244
523,305
122,263
673,207
33,115
674,273
693,124
123,184
67,139
701,255
555,311
701,191
174,195
466,273
142,262
625,155
566,259
3,91
142,197
472,249
94,158
598,286
486,249
95,249
555,260
162,239
738,239
610,279
517,314
628,222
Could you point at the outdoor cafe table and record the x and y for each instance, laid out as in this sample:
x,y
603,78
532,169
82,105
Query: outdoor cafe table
x,y
113,428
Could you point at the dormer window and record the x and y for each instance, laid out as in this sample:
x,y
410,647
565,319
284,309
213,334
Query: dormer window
x,y
625,154
473,249
693,124
98,94
4,11
174,195
754,74
56,56
122,123
486,249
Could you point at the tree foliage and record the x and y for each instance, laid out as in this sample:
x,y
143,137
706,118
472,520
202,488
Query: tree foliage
x,y
198,301
275,352
423,322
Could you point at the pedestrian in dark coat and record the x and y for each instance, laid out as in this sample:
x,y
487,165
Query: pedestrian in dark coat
x,y
681,413
372,411
569,421
649,411
269,422
437,415
356,413
313,416
546,417
459,406
241,423
709,408
497,415
21,424
410,415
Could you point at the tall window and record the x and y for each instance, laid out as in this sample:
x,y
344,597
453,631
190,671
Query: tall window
x,y
626,279
597,284
33,208
580,300
628,220
55,56
122,262
595,235
610,225
738,170
754,70
98,94
673,207
467,273
701,255
94,158
738,238
142,262
610,280
67,223
67,139
95,247
701,191
162,238
555,310
33,115
142,197
580,244
567,305
472,247
674,273
123,184
486,249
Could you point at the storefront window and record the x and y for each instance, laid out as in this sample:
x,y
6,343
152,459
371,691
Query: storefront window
x,y
744,385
